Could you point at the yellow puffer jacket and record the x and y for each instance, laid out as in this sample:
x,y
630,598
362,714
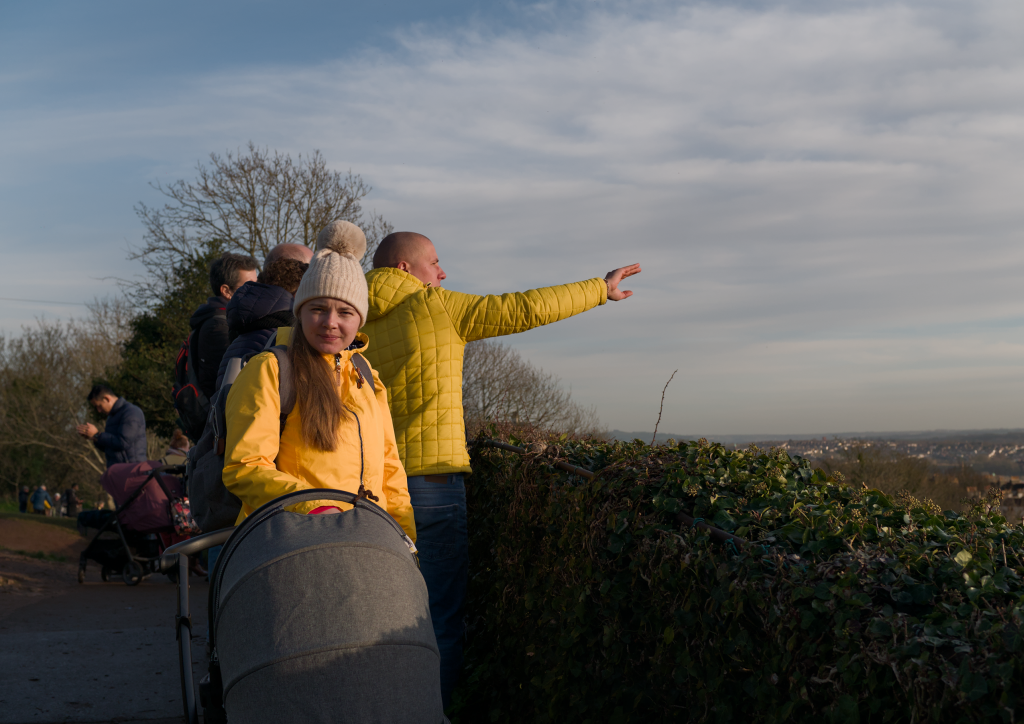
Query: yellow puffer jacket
x,y
419,334
254,442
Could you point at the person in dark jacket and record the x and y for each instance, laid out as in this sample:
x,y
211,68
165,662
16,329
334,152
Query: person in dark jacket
x,y
124,439
72,500
41,501
209,322
259,308
23,496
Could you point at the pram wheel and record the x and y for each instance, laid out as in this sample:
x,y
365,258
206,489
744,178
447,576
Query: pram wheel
x,y
132,573
105,574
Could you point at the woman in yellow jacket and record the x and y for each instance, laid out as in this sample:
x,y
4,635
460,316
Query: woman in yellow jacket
x,y
339,435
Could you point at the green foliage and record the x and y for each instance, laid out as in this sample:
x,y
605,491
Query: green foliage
x,y
590,602
146,373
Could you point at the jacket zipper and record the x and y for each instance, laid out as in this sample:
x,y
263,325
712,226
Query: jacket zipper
x,y
337,367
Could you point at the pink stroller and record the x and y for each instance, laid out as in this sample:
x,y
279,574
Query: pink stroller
x,y
128,542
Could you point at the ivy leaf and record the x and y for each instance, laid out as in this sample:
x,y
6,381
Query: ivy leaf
x,y
963,558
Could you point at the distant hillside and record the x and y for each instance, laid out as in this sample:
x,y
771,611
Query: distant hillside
x,y
997,436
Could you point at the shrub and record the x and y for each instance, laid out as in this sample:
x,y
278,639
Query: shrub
x,y
589,602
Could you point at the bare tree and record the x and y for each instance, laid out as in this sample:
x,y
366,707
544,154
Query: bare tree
x,y
498,385
249,201
45,375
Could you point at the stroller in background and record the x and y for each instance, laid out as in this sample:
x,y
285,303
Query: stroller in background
x,y
128,542
314,619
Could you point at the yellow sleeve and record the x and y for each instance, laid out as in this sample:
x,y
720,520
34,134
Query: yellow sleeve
x,y
396,484
478,317
253,416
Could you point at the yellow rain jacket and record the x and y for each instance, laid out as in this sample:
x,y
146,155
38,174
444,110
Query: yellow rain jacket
x,y
419,334
366,447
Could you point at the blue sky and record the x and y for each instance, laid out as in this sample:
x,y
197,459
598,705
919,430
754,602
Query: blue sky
x,y
825,200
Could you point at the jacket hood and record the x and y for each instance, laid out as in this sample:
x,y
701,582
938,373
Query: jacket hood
x,y
388,289
205,311
253,302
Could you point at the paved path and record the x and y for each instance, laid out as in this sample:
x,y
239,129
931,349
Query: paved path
x,y
98,652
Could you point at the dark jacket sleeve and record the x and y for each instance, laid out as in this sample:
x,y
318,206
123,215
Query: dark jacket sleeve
x,y
211,345
109,441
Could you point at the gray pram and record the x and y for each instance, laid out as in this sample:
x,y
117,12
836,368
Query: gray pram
x,y
313,618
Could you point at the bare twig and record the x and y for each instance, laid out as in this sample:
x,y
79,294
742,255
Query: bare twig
x,y
661,407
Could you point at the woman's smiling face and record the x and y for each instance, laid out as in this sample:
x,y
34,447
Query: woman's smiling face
x,y
330,325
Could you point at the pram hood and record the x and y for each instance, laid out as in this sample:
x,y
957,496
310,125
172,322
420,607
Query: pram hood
x,y
150,512
324,618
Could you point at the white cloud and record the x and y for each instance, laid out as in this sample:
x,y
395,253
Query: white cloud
x,y
826,204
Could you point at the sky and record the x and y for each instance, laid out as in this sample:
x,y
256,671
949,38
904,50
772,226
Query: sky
x,y
826,199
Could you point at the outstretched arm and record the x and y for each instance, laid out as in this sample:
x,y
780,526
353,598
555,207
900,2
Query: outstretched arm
x,y
494,316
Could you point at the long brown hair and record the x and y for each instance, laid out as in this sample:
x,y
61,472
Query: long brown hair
x,y
316,391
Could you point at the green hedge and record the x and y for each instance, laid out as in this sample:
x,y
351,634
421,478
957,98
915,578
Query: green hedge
x,y
590,602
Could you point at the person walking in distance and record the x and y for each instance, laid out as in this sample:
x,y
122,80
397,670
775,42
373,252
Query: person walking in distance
x,y
124,438
418,332
72,500
23,496
41,501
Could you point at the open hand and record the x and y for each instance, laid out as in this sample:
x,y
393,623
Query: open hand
x,y
88,430
613,278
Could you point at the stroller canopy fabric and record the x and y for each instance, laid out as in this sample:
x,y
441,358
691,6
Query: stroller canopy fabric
x,y
324,618
150,512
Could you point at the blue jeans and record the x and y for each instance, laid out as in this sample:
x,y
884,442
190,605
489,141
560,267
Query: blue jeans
x,y
443,543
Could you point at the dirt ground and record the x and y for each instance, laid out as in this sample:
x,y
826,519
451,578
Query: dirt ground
x,y
33,537
96,652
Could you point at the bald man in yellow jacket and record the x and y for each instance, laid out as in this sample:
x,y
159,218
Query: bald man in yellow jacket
x,y
418,332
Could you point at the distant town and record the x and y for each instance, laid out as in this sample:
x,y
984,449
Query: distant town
x,y
997,452
984,456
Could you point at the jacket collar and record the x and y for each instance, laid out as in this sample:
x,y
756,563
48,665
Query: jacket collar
x,y
388,288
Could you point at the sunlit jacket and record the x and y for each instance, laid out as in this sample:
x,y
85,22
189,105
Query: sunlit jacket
x,y
419,334
366,443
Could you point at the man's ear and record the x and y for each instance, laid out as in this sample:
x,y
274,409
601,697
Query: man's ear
x,y
403,265
225,291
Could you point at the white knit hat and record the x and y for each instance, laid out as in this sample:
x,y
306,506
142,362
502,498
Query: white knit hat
x,y
335,270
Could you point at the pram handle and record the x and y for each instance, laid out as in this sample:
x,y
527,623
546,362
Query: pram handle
x,y
192,546
356,500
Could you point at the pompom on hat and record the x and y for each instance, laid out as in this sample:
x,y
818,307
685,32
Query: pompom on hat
x,y
336,270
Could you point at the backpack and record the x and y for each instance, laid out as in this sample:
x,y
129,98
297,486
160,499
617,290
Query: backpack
x,y
213,505
192,406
